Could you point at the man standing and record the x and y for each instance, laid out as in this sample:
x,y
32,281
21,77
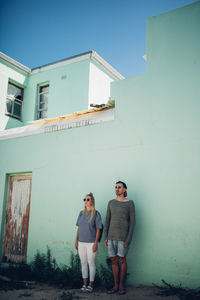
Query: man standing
x,y
118,231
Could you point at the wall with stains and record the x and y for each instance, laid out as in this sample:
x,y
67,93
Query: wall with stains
x,y
152,144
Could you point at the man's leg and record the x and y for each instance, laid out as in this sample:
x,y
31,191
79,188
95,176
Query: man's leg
x,y
123,270
112,252
115,270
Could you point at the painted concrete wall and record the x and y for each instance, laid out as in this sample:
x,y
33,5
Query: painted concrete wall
x,y
68,90
16,76
153,145
161,138
99,87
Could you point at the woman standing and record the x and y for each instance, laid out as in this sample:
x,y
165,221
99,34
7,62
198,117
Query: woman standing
x,y
89,224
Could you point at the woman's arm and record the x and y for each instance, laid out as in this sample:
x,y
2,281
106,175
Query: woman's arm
x,y
95,246
76,242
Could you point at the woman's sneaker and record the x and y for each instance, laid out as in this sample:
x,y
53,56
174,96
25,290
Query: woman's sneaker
x,y
89,289
83,289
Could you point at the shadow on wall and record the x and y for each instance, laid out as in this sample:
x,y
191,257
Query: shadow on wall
x,y
13,123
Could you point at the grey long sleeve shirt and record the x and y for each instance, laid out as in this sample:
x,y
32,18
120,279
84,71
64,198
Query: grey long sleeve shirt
x,y
120,221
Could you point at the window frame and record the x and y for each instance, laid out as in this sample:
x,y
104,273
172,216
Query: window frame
x,y
13,102
40,110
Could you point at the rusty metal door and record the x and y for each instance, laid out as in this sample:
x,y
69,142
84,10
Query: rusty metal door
x,y
17,218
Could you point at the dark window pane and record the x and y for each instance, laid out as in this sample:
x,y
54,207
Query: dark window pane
x,y
12,89
44,89
15,92
43,114
9,107
14,101
43,98
17,109
19,97
43,106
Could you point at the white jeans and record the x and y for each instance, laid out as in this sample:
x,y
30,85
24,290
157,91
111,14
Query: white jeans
x,y
87,257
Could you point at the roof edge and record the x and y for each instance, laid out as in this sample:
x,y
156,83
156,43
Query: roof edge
x,y
74,57
14,63
100,61
93,55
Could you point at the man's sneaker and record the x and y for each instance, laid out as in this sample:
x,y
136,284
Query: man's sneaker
x,y
89,289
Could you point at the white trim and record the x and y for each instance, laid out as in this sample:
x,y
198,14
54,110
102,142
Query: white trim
x,y
38,128
89,55
106,66
14,63
62,63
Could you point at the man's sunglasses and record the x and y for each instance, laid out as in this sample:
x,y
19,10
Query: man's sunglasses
x,y
86,199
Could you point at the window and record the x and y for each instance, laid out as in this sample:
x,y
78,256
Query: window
x,y
14,101
42,108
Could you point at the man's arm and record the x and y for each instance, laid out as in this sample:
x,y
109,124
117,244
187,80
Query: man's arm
x,y
107,224
131,223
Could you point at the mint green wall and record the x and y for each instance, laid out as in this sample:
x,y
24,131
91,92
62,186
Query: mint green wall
x,y
68,91
153,145
162,133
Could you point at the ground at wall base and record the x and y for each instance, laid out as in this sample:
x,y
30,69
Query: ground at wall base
x,y
46,292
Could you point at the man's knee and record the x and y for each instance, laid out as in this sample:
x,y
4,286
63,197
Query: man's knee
x,y
122,260
114,260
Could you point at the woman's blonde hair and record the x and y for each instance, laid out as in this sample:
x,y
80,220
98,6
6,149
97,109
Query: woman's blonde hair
x,y
93,210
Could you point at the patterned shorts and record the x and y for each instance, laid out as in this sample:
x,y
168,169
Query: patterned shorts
x,y
116,248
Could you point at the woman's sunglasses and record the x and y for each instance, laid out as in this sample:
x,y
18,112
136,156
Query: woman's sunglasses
x,y
86,199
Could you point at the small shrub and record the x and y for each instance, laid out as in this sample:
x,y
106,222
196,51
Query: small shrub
x,y
104,277
184,294
44,268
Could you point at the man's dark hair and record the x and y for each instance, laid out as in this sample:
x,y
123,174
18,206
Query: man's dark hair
x,y
123,183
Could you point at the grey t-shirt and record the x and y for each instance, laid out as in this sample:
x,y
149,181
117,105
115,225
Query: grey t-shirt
x,y
87,229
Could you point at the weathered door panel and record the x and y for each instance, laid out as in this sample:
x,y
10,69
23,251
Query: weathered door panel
x,y
17,218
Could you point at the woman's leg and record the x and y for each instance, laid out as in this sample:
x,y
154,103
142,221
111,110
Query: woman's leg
x,y
91,262
82,251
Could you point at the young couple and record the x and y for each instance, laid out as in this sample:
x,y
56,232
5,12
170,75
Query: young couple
x,y
118,231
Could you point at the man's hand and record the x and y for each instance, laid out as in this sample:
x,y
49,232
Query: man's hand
x,y
95,247
125,245
106,243
76,245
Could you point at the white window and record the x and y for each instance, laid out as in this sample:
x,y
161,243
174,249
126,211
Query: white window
x,y
14,101
42,107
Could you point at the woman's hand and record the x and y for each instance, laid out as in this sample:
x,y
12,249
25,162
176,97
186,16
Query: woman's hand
x,y
125,245
106,243
76,245
95,247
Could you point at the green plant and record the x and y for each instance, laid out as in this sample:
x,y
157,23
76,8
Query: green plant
x,y
184,294
44,268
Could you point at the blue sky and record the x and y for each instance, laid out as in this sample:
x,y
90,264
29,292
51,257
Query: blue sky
x,y
37,32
